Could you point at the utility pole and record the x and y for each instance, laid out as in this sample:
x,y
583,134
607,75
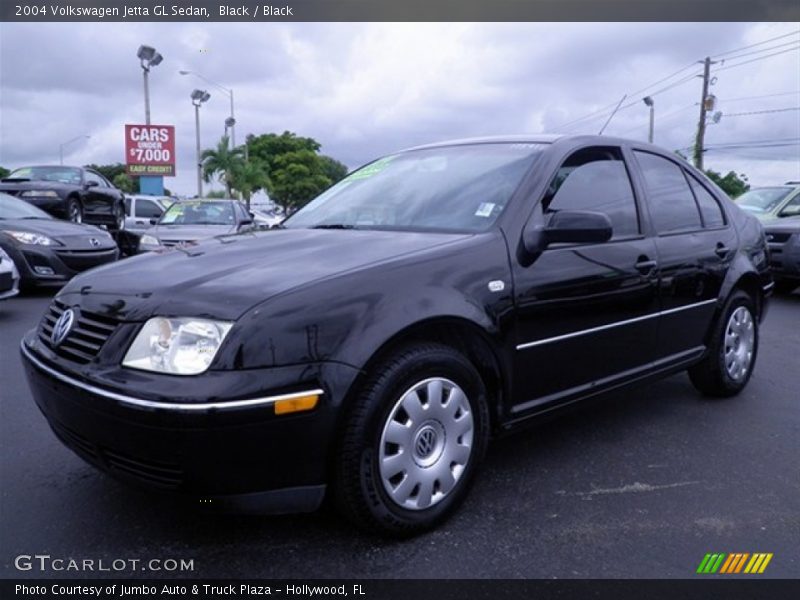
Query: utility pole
x,y
701,125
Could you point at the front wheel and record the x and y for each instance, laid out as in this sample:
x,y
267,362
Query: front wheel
x,y
732,353
74,210
413,441
119,217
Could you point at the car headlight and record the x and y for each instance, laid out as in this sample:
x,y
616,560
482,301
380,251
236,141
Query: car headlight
x,y
35,239
39,194
180,346
149,240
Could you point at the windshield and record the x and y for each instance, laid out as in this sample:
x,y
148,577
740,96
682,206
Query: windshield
x,y
12,208
69,175
198,213
455,188
763,199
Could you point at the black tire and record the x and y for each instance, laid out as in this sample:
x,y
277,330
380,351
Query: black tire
x,y
359,489
786,286
119,217
712,375
74,210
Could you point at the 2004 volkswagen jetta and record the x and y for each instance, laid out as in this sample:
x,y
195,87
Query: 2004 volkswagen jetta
x,y
372,345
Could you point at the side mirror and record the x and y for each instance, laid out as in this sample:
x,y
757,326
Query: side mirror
x,y
568,227
153,221
91,184
790,211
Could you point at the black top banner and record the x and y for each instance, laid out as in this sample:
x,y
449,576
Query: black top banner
x,y
393,10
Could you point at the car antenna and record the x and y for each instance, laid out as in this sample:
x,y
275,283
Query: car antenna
x,y
611,116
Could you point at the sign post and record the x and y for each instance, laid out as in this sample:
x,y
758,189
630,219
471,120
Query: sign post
x,y
150,155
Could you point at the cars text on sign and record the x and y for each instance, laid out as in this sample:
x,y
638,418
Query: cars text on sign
x,y
150,150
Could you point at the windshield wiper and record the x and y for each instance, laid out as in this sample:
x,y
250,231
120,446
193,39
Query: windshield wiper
x,y
334,226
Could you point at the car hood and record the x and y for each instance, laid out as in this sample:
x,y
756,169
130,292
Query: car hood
x,y
224,277
71,235
189,233
785,225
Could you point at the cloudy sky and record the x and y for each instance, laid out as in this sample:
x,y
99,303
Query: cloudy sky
x,y
366,89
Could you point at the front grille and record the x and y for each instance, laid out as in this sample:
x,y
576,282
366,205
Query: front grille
x,y
778,237
159,474
85,339
81,260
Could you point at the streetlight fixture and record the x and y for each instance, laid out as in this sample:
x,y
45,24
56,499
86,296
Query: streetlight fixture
x,y
67,143
649,102
230,122
198,98
148,57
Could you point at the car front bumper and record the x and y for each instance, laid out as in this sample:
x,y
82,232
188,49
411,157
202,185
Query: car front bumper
x,y
225,453
54,265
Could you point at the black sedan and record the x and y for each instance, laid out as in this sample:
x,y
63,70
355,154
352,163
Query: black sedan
x,y
370,345
46,250
76,194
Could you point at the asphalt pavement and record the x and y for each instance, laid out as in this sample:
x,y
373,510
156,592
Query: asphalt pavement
x,y
643,484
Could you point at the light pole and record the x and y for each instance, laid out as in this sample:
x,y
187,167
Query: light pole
x,y
649,102
148,57
230,122
67,143
198,97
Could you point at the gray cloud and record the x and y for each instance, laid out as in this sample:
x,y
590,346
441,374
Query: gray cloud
x,y
366,89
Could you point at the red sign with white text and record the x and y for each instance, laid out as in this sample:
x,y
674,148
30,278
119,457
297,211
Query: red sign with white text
x,y
150,150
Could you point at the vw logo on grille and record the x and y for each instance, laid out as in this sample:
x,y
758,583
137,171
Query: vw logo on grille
x,y
62,327
425,443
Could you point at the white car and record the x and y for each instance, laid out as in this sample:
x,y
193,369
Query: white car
x,y
9,277
140,209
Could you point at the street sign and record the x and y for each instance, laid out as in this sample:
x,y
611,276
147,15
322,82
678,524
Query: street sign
x,y
150,150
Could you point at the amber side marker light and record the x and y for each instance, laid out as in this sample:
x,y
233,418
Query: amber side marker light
x,y
293,405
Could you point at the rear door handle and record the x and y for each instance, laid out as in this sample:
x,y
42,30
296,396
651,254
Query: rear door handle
x,y
722,250
645,265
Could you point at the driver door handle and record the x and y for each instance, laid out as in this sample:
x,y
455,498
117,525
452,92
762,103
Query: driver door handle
x,y
645,265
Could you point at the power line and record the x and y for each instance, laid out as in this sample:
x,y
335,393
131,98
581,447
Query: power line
x,y
794,93
747,62
754,52
762,112
761,43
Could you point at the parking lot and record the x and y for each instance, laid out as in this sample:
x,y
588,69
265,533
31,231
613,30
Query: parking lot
x,y
643,484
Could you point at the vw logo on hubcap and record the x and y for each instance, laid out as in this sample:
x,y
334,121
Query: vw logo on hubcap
x,y
426,442
62,327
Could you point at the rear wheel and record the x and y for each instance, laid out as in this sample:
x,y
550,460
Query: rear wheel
x,y
74,210
732,353
413,441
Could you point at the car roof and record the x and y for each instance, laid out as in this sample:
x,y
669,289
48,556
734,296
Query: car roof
x,y
536,138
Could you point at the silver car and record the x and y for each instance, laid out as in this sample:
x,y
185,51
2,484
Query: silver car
x,y
190,221
140,209
772,202
9,277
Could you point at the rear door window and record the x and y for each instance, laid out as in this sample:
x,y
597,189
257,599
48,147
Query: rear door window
x,y
672,204
709,206
147,209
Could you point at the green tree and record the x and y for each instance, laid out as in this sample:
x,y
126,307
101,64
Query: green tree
x,y
126,183
297,171
217,194
732,184
109,171
4,172
249,177
222,162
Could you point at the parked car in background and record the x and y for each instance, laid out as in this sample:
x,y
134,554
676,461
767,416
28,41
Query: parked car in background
x,y
140,209
772,202
76,194
783,238
9,276
370,345
47,250
189,221
265,219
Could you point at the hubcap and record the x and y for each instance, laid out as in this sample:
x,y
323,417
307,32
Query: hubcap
x,y
740,336
426,443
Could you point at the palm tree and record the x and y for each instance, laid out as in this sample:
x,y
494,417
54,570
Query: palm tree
x,y
222,162
249,177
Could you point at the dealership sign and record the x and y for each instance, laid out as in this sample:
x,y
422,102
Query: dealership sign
x,y
150,150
